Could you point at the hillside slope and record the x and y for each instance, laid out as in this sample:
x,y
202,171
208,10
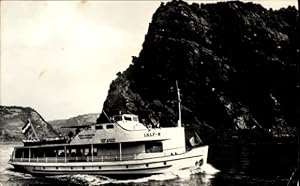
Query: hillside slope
x,y
13,118
85,119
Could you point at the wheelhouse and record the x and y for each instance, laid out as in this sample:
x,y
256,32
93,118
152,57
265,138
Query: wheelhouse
x,y
126,118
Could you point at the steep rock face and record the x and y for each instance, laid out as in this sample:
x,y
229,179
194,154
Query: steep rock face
x,y
13,118
235,63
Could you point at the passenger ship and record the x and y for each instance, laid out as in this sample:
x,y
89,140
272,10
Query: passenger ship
x,y
122,146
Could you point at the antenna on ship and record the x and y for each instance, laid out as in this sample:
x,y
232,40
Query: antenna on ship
x,y
106,116
179,105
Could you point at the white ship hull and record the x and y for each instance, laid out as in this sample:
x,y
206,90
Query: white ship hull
x,y
195,157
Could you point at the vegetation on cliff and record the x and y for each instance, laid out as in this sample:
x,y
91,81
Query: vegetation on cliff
x,y
235,63
13,118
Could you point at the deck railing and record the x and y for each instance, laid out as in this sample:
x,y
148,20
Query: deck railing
x,y
101,158
88,158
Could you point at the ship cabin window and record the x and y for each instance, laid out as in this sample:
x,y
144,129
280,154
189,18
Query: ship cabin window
x,y
79,151
117,118
18,153
60,153
99,127
126,118
153,147
135,119
51,152
72,152
87,152
25,153
95,151
37,152
109,126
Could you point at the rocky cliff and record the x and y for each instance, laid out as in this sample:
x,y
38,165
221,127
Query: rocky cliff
x,y
13,118
235,63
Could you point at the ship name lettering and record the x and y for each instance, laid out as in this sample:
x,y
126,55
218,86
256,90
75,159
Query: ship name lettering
x,y
86,136
150,134
108,140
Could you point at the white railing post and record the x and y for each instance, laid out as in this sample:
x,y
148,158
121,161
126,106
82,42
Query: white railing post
x,y
92,151
120,151
29,154
14,154
65,149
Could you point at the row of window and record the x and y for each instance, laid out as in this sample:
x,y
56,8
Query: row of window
x,y
51,152
80,151
125,118
100,127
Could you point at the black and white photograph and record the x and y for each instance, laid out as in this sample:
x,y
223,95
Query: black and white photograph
x,y
149,92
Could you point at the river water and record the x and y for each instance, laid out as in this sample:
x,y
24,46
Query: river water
x,y
232,165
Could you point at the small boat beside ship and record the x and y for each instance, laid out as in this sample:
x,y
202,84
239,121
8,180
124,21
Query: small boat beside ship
x,y
122,146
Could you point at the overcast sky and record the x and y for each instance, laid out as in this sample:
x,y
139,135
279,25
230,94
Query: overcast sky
x,y
60,57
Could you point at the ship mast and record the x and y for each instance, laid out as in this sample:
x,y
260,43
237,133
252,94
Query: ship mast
x,y
179,105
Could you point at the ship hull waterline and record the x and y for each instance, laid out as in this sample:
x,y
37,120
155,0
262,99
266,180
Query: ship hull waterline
x,y
196,157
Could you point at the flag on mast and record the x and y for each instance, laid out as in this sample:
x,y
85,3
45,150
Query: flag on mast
x,y
26,127
195,140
